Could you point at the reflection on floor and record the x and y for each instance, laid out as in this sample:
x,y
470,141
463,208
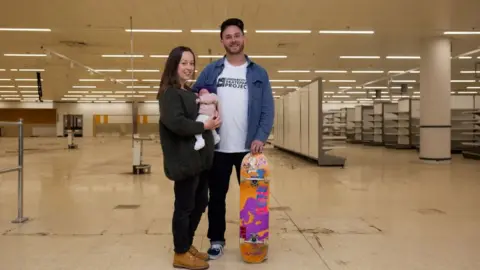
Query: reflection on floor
x,y
385,210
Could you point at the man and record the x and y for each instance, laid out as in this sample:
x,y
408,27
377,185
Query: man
x,y
247,111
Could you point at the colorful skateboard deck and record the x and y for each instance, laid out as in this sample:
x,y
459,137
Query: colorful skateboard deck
x,y
254,208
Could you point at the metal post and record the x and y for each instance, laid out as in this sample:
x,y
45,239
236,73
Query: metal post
x,y
20,217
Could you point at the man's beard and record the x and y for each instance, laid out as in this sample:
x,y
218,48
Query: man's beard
x,y
239,51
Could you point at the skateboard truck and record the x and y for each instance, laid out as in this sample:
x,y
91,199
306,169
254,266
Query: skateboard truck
x,y
253,239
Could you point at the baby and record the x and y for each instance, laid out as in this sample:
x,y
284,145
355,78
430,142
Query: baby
x,y
208,107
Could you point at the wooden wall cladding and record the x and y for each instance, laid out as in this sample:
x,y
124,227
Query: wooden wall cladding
x,y
29,116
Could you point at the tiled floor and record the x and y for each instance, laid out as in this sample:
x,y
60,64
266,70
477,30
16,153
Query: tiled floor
x,y
384,211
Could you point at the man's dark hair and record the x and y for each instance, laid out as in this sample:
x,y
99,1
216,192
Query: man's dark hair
x,y
231,22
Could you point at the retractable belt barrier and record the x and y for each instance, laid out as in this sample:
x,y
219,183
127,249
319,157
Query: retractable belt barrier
x,y
20,218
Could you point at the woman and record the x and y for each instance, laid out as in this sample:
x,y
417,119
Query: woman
x,y
183,164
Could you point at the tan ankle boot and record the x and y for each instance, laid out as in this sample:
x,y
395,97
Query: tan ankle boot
x,y
201,255
188,261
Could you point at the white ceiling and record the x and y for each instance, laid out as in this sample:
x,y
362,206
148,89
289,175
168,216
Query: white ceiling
x,y
85,30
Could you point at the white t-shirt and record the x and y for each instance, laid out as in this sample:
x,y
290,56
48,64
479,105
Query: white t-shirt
x,y
232,91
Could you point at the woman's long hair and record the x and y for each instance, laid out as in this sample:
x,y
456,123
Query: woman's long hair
x,y
170,73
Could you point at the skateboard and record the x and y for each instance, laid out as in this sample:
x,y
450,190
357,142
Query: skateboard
x,y
254,208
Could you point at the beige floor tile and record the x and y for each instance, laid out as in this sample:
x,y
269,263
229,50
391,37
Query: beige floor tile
x,y
384,210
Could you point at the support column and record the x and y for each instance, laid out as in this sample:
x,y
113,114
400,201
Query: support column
x,y
435,111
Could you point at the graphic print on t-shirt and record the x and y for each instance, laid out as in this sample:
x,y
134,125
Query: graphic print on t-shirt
x,y
232,92
232,83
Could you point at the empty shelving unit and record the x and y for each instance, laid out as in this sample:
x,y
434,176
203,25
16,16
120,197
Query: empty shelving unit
x,y
404,126
300,126
350,125
463,129
472,150
378,124
361,123
367,125
462,122
382,122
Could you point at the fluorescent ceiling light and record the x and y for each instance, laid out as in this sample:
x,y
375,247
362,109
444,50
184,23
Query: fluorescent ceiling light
x,y
464,57
402,57
91,80
278,87
250,56
340,96
159,56
102,92
205,31
304,80
138,86
123,55
359,57
5,80
29,69
404,81
466,92
462,81
356,93
473,87
30,92
154,30
84,86
403,71
147,92
293,71
8,91
282,80
330,71
25,54
210,56
150,80
27,86
125,92
284,31
208,31
362,32
342,80
78,92
126,80
367,71
461,33
26,29
26,80
143,70
267,56
107,70
469,71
